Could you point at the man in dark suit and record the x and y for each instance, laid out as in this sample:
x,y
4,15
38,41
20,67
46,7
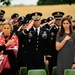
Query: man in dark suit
x,y
37,44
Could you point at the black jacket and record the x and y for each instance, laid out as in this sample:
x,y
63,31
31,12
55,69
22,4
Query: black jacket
x,y
32,48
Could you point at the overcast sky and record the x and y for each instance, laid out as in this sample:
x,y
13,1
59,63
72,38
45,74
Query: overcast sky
x,y
25,2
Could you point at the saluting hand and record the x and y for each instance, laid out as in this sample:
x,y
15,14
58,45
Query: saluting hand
x,y
19,28
51,23
30,24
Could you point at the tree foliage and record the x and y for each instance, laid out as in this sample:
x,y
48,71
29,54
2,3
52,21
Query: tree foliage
x,y
68,1
5,2
52,2
42,2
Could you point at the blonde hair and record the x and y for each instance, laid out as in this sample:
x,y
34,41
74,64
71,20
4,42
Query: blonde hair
x,y
9,23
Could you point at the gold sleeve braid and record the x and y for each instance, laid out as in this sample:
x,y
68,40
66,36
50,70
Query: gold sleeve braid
x,y
23,32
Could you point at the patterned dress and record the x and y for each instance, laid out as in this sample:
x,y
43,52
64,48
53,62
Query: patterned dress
x,y
10,50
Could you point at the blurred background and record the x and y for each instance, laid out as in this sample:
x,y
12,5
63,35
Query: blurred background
x,y
36,2
47,7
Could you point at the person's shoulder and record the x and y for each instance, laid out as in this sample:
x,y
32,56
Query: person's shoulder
x,y
73,33
44,29
58,35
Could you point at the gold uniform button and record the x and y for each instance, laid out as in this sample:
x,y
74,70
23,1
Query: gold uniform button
x,y
36,48
37,41
22,45
25,52
51,38
37,38
37,45
47,28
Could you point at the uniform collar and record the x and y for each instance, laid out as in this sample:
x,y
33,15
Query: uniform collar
x,y
37,29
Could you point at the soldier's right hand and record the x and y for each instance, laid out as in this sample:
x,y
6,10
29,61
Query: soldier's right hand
x,y
30,24
51,23
19,28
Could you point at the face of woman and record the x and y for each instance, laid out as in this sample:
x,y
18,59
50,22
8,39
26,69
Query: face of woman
x,y
66,25
6,30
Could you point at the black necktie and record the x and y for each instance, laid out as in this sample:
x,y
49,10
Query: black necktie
x,y
36,31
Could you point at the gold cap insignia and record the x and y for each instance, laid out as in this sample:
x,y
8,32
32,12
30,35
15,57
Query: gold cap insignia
x,y
36,14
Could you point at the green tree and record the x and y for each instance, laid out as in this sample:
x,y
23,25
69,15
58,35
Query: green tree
x,y
68,1
5,2
51,2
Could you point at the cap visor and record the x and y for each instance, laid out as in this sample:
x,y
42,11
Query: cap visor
x,y
58,18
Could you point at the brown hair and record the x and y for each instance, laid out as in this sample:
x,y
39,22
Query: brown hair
x,y
62,31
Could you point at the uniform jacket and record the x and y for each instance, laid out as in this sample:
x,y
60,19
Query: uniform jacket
x,y
34,47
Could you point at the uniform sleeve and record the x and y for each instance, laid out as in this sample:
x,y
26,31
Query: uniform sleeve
x,y
17,32
25,32
48,45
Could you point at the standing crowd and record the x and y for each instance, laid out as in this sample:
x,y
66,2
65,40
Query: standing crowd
x,y
32,42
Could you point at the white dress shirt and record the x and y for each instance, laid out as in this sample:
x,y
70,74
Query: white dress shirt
x,y
38,30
